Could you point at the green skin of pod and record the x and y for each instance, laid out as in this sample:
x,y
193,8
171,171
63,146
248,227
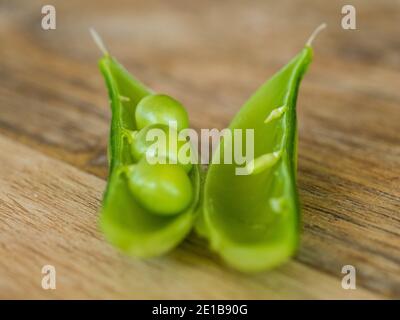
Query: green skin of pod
x,y
163,189
140,146
252,221
161,109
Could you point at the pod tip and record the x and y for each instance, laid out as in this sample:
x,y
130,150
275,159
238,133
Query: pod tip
x,y
99,42
315,33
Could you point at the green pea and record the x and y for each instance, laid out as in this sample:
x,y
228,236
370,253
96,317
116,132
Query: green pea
x,y
124,220
163,189
162,109
141,145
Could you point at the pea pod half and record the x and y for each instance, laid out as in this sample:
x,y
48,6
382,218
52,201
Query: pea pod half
x,y
125,222
253,220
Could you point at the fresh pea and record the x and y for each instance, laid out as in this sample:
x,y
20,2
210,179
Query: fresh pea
x,y
253,221
169,150
125,222
163,189
161,109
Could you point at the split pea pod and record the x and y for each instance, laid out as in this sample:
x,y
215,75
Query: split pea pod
x,y
253,220
147,208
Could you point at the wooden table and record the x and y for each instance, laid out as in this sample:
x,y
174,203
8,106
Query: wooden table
x,y
211,55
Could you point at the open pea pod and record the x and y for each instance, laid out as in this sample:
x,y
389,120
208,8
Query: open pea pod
x,y
253,220
125,223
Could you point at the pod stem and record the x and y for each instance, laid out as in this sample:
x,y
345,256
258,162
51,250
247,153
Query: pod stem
x,y
315,33
99,42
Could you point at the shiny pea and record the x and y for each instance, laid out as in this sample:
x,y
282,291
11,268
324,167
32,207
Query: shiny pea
x,y
161,109
143,144
163,189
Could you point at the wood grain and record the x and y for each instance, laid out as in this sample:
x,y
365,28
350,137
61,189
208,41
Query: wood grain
x,y
53,101
49,216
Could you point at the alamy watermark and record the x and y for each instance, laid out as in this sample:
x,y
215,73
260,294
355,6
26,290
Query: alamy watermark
x,y
49,18
349,18
227,146
349,280
49,277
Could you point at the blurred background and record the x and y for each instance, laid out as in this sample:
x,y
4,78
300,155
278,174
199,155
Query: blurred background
x,y
212,55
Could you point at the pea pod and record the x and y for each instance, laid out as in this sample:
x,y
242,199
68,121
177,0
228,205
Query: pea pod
x,y
253,220
125,222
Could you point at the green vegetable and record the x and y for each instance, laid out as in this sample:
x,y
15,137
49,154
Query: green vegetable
x,y
253,220
163,189
160,108
124,220
142,146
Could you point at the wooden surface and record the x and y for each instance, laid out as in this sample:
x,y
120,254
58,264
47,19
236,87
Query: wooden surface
x,y
54,119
